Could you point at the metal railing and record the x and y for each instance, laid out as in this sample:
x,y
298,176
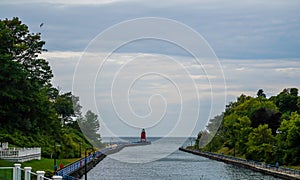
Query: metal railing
x,y
255,164
81,162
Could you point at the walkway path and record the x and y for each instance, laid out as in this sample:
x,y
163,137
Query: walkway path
x,y
281,172
77,169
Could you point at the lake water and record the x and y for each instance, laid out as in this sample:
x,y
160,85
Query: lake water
x,y
130,164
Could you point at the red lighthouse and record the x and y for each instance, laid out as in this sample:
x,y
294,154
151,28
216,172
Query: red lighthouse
x,y
143,136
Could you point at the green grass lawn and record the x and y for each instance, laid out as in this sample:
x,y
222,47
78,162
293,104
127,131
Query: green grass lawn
x,y
44,164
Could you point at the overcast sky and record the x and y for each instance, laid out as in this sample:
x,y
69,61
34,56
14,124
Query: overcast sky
x,y
158,83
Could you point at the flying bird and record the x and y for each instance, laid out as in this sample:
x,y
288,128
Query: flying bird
x,y
41,24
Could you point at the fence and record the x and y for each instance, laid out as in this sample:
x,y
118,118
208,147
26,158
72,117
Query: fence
x,y
271,169
256,164
20,154
18,173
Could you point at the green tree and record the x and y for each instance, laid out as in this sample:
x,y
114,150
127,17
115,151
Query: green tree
x,y
232,105
261,93
298,104
64,107
197,141
89,125
24,80
287,101
21,46
29,105
250,124
260,111
243,130
288,140
260,144
237,130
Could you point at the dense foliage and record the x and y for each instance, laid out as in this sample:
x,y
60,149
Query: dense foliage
x,y
258,128
32,111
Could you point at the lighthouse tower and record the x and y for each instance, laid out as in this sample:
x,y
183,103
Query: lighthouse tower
x,y
143,136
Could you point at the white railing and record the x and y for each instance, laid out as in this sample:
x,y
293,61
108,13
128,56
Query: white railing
x,y
16,172
20,154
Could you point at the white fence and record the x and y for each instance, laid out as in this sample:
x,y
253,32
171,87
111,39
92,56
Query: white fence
x,y
19,154
18,173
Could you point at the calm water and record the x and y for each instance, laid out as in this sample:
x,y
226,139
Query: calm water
x,y
177,165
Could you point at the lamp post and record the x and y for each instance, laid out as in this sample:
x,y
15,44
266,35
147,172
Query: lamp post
x,y
85,163
80,143
55,154
278,150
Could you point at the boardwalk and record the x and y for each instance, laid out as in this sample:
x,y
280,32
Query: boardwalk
x,y
281,172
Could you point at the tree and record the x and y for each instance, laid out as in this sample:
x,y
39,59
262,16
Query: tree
x,y
64,107
243,130
24,79
240,100
260,111
260,144
197,141
287,101
15,93
237,130
30,105
250,125
23,47
294,92
89,125
266,115
261,93
298,104
288,139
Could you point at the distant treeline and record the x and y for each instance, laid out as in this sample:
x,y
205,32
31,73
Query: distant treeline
x,y
32,111
257,128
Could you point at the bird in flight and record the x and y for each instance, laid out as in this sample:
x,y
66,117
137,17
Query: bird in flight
x,y
41,24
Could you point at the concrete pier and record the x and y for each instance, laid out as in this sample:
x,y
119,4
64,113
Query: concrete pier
x,y
77,169
281,172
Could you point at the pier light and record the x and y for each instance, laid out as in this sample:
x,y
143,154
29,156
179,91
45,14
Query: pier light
x,y
85,162
55,156
80,144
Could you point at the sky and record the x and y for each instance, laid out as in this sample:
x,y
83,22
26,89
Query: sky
x,y
167,66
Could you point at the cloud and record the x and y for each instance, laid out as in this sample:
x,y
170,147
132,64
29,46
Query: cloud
x,y
64,2
242,77
239,30
288,70
257,43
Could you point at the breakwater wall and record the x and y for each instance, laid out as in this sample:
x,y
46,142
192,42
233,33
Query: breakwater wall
x,y
281,172
77,169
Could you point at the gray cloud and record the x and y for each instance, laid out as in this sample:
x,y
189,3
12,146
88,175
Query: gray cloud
x,y
242,76
257,41
246,29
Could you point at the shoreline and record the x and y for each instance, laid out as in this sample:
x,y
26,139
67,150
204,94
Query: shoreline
x,y
283,173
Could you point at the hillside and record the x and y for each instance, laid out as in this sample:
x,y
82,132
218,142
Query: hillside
x,y
257,128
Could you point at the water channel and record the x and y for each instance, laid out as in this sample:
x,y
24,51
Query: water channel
x,y
158,164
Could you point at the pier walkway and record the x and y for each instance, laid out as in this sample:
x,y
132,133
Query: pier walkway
x,y
77,169
281,172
